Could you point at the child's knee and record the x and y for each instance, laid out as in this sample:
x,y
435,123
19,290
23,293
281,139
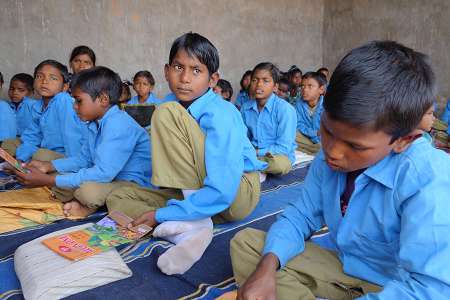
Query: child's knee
x,y
91,194
46,155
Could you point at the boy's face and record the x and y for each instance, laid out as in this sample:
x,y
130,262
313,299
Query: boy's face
x,y
263,84
49,81
296,79
188,78
81,62
348,148
427,120
142,86
311,91
18,90
86,108
283,90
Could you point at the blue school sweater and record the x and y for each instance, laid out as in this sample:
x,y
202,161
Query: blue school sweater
x,y
396,230
309,124
151,99
8,126
272,130
228,154
116,148
446,115
23,114
56,128
242,98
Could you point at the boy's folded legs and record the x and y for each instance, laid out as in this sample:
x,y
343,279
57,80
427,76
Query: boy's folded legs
x,y
88,197
304,144
43,154
316,272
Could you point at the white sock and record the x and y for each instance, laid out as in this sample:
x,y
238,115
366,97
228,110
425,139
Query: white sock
x,y
191,238
181,257
262,177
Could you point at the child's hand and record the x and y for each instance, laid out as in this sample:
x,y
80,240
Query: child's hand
x,y
147,218
43,166
34,178
261,285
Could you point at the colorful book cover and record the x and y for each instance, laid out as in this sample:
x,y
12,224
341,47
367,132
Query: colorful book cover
x,y
100,237
12,161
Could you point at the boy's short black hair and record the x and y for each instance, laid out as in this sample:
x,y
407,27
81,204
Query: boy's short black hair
x,y
56,64
225,85
323,69
294,70
268,66
145,74
200,47
384,85
247,73
25,78
284,80
97,81
317,76
1,79
82,50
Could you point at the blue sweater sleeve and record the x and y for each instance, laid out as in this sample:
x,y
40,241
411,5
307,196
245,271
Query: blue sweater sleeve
x,y
72,126
287,120
303,216
223,159
115,146
8,127
32,136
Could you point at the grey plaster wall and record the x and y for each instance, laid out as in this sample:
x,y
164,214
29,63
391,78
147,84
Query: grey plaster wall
x,y
133,35
420,24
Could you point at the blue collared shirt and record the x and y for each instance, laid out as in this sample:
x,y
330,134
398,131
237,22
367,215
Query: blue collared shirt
x,y
272,130
309,124
23,114
8,126
169,97
117,148
242,98
57,128
396,230
228,154
151,99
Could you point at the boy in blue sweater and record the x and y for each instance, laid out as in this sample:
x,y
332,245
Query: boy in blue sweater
x,y
381,189
197,141
271,121
309,110
116,151
55,131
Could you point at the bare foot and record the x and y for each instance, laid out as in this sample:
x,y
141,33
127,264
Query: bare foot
x,y
76,210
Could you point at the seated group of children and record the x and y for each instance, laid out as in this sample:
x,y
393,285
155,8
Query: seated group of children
x,y
376,183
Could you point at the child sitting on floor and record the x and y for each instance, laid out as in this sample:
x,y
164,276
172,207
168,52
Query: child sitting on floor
x,y
283,88
143,84
125,94
243,96
224,88
309,110
271,121
197,141
295,80
116,152
20,91
383,195
55,129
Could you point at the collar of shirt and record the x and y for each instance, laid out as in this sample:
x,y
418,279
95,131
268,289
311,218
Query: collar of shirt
x,y
98,124
269,104
197,108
